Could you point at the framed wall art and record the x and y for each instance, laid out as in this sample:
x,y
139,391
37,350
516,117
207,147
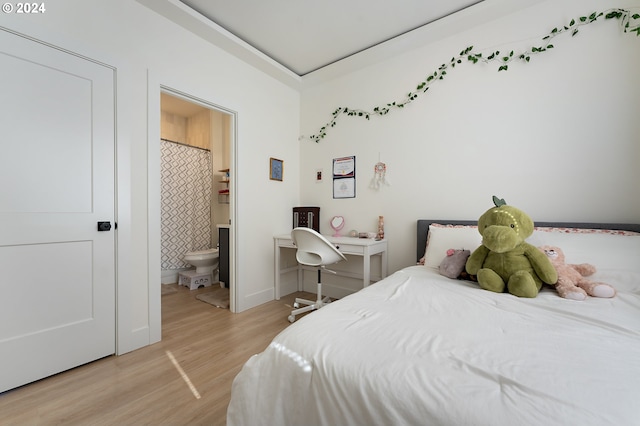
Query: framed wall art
x,y
344,167
276,169
344,177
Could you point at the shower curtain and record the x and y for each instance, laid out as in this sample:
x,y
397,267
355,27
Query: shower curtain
x,y
186,179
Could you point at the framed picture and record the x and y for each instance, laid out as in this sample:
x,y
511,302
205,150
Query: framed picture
x,y
344,177
344,188
276,168
344,167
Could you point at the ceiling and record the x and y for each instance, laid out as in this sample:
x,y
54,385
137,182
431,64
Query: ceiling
x,y
177,106
306,42
306,35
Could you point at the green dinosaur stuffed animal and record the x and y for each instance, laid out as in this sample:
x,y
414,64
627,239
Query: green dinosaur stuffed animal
x,y
505,261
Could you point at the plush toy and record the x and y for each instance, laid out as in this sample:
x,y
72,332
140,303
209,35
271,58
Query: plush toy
x,y
572,283
505,261
453,265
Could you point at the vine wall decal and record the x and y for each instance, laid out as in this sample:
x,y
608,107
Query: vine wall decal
x,y
629,23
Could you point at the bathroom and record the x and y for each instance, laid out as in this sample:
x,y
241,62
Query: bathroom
x,y
195,159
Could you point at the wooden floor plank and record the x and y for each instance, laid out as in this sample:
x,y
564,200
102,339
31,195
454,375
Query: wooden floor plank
x,y
144,387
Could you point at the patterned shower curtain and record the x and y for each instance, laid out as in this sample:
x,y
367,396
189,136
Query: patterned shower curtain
x,y
186,178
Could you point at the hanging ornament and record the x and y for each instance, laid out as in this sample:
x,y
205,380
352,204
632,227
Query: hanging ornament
x,y
379,175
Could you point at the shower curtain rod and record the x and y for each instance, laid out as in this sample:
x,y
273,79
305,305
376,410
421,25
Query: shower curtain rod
x,y
184,144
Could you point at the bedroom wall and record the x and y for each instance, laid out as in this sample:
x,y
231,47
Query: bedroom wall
x,y
144,46
557,137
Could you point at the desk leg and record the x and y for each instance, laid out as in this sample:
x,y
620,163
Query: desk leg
x,y
366,272
276,269
300,278
383,264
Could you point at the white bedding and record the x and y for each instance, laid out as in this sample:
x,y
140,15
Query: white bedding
x,y
418,348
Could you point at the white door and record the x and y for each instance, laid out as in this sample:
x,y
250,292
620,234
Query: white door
x,y
57,272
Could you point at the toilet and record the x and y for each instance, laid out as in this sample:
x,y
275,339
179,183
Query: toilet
x,y
206,263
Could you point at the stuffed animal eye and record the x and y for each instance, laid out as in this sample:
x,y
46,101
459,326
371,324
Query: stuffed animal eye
x,y
512,225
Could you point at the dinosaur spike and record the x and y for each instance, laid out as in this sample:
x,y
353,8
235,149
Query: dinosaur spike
x,y
499,201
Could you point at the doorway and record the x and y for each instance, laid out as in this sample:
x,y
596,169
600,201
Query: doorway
x,y
191,131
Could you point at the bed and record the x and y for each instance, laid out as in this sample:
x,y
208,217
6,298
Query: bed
x,y
420,348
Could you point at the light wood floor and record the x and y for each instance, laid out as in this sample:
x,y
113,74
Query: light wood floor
x,y
144,387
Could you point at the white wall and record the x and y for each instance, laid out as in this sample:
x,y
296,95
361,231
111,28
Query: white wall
x,y
149,51
557,137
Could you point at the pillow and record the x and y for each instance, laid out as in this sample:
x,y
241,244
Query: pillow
x,y
453,264
558,230
443,237
605,249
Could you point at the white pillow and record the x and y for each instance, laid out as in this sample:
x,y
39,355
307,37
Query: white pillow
x,y
444,237
605,249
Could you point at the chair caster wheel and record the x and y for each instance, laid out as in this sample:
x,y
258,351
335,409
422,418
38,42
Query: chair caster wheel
x,y
296,305
291,318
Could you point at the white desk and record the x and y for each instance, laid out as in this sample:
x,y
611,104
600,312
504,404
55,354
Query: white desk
x,y
364,247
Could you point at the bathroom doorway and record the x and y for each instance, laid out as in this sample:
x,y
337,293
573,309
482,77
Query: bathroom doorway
x,y
196,140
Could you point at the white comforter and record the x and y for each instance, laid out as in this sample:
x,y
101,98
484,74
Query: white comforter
x,y
418,348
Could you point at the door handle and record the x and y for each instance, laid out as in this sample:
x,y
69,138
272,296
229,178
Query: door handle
x,y
104,226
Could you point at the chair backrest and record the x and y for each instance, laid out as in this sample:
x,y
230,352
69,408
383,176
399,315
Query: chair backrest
x,y
313,249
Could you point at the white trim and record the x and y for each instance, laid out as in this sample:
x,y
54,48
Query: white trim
x,y
153,209
234,286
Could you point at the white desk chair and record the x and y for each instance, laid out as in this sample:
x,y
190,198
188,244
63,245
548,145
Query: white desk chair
x,y
313,250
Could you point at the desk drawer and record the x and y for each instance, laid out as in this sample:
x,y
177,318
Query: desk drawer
x,y
350,248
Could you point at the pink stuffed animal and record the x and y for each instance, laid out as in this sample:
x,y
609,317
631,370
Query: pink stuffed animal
x,y
572,283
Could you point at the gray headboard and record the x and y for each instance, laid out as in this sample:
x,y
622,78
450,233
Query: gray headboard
x,y
423,228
